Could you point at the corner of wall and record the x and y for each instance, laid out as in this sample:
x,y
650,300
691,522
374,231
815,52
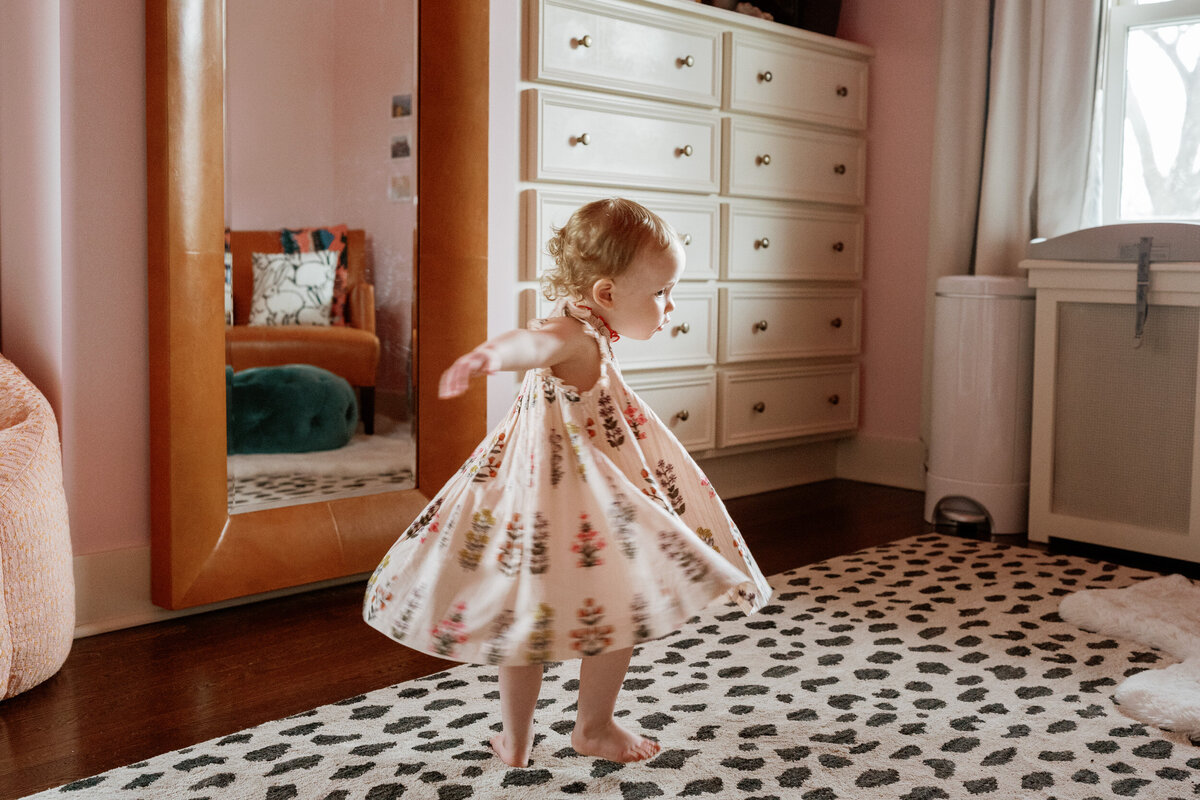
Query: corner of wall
x,y
112,592
882,460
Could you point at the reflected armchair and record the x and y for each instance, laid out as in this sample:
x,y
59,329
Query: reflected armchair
x,y
350,350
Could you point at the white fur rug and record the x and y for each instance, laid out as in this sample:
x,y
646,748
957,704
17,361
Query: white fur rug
x,y
1159,612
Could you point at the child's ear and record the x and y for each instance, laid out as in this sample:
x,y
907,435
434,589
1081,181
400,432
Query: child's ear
x,y
602,293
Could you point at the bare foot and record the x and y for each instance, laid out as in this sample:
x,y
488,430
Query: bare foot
x,y
509,753
614,743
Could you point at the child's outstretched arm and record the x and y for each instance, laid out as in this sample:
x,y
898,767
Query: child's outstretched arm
x,y
515,351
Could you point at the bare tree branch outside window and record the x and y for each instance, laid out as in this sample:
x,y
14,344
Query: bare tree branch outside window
x,y
1174,188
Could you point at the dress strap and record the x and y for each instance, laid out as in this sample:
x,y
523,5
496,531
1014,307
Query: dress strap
x,y
594,326
604,327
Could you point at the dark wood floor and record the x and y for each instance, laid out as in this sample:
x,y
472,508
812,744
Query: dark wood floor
x,y
124,696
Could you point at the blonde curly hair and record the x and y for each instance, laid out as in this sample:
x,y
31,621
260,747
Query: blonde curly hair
x,y
600,240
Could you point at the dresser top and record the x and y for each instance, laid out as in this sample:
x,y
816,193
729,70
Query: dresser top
x,y
732,19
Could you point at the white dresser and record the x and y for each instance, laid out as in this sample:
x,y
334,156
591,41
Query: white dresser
x,y
748,137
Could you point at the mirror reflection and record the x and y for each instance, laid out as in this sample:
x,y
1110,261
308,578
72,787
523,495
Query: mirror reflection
x,y
320,215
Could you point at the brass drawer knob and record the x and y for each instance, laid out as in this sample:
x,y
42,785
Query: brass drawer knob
x,y
834,399
760,407
836,322
682,416
838,247
686,61
761,325
842,91
686,150
683,328
766,76
583,139
764,159
582,41
840,169
762,244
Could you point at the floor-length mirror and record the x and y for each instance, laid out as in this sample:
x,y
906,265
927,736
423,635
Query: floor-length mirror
x,y
320,183
200,552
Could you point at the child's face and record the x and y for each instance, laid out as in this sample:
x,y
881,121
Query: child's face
x,y
641,302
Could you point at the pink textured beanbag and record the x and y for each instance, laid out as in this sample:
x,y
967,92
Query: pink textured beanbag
x,y
37,583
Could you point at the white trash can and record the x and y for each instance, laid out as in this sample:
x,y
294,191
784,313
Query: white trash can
x,y
982,397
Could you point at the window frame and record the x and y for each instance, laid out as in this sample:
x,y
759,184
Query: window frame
x,y
1124,15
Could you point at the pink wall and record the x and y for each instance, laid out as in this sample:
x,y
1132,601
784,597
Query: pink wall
x,y
903,85
378,59
279,117
310,131
31,193
105,397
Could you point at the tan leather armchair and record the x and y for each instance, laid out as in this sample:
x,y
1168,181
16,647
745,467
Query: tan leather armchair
x,y
351,351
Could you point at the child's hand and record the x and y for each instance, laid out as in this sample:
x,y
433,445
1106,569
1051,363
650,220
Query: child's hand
x,y
483,360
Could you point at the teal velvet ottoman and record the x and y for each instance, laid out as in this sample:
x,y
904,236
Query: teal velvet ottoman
x,y
297,408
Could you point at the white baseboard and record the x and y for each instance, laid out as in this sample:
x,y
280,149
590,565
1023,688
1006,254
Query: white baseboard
x,y
883,460
112,591
768,470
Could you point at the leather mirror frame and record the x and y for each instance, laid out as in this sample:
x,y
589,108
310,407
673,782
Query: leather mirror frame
x,y
200,554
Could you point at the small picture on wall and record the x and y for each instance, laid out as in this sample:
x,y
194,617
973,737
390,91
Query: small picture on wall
x,y
401,105
400,148
399,188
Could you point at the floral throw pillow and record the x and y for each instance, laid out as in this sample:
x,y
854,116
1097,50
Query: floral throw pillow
x,y
333,237
293,288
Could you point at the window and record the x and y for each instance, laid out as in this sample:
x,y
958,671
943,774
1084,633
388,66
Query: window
x,y
1151,149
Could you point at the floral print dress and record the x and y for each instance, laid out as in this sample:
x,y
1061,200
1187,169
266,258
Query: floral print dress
x,y
580,525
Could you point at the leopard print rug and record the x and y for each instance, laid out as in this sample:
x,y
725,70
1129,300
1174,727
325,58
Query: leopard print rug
x,y
382,462
933,667
276,489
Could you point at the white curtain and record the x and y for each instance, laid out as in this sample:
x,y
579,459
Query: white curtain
x,y
1013,133
1013,129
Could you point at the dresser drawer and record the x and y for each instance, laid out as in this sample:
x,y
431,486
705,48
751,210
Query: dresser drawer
x,y
762,405
695,219
771,322
690,340
766,76
785,162
686,403
592,139
624,48
774,241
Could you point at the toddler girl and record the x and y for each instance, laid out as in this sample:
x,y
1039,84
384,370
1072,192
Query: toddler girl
x,y
580,526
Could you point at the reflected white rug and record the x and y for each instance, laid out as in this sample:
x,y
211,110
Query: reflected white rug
x,y
391,447
1163,613
382,462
